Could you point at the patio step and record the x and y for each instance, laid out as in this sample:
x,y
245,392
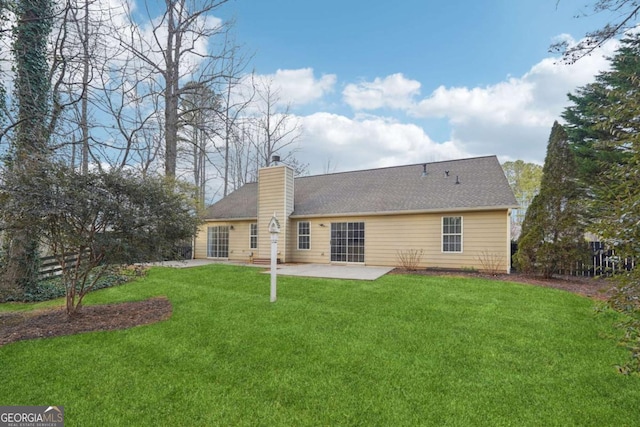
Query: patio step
x,y
265,261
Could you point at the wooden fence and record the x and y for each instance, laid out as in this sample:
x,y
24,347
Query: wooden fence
x,y
49,266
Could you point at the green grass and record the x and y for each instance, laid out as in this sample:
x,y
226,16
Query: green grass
x,y
403,350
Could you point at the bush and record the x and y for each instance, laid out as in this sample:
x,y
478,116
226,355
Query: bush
x,y
53,288
626,299
43,291
409,259
492,263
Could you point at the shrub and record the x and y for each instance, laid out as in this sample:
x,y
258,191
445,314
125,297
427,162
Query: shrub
x,y
409,259
109,218
53,288
491,262
626,299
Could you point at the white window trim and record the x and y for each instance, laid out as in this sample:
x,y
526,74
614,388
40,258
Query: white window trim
x,y
347,253
461,234
228,240
252,235
299,235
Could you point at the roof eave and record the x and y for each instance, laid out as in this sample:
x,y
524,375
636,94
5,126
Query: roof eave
x,y
250,218
407,212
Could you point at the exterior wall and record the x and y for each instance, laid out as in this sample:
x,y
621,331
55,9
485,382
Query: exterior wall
x,y
239,240
484,233
275,194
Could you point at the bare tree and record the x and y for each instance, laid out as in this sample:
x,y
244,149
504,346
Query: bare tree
x,y
624,14
172,49
198,126
329,166
86,66
273,129
80,49
243,157
132,101
233,107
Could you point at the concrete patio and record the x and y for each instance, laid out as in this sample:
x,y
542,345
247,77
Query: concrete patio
x,y
330,271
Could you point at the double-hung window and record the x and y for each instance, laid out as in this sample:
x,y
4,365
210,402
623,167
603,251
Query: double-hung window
x,y
304,235
452,234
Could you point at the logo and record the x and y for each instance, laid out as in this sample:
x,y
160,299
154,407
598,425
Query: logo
x,y
31,416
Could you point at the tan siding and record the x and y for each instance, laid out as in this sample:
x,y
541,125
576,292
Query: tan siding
x,y
485,233
239,240
319,242
289,192
200,247
275,195
386,235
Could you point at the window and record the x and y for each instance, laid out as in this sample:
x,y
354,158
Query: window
x,y
452,234
304,235
218,241
253,237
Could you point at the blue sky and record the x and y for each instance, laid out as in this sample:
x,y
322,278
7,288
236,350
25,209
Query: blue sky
x,y
457,42
378,83
384,83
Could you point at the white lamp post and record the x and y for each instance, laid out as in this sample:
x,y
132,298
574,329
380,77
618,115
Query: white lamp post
x,y
274,230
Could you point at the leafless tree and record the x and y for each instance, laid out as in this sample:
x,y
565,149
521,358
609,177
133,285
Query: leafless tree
x,y
233,106
273,129
178,45
81,51
623,13
198,126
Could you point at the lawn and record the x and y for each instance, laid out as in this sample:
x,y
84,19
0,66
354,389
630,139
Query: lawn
x,y
403,350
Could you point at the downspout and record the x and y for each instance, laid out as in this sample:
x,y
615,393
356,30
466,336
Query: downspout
x,y
509,241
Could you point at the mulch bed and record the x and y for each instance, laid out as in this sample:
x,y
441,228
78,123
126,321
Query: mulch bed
x,y
17,326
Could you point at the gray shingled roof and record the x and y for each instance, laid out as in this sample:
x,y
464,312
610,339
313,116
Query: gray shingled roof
x,y
482,185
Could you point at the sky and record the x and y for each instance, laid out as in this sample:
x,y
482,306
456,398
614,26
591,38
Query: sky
x,y
384,83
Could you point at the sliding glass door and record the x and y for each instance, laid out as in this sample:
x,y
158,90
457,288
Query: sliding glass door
x,y
218,242
347,241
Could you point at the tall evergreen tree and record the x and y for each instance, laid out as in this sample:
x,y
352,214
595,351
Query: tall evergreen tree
x,y
605,123
587,119
617,195
552,234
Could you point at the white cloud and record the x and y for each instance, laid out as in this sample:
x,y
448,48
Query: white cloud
x,y
499,104
299,86
350,144
394,91
512,118
531,100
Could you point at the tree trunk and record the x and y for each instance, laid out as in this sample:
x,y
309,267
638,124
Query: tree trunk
x,y
84,121
171,94
30,148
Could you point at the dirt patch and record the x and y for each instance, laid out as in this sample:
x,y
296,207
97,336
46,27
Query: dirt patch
x,y
17,326
595,288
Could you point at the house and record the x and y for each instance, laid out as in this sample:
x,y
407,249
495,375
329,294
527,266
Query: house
x,y
456,212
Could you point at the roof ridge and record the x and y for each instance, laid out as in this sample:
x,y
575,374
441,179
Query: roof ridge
x,y
397,166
